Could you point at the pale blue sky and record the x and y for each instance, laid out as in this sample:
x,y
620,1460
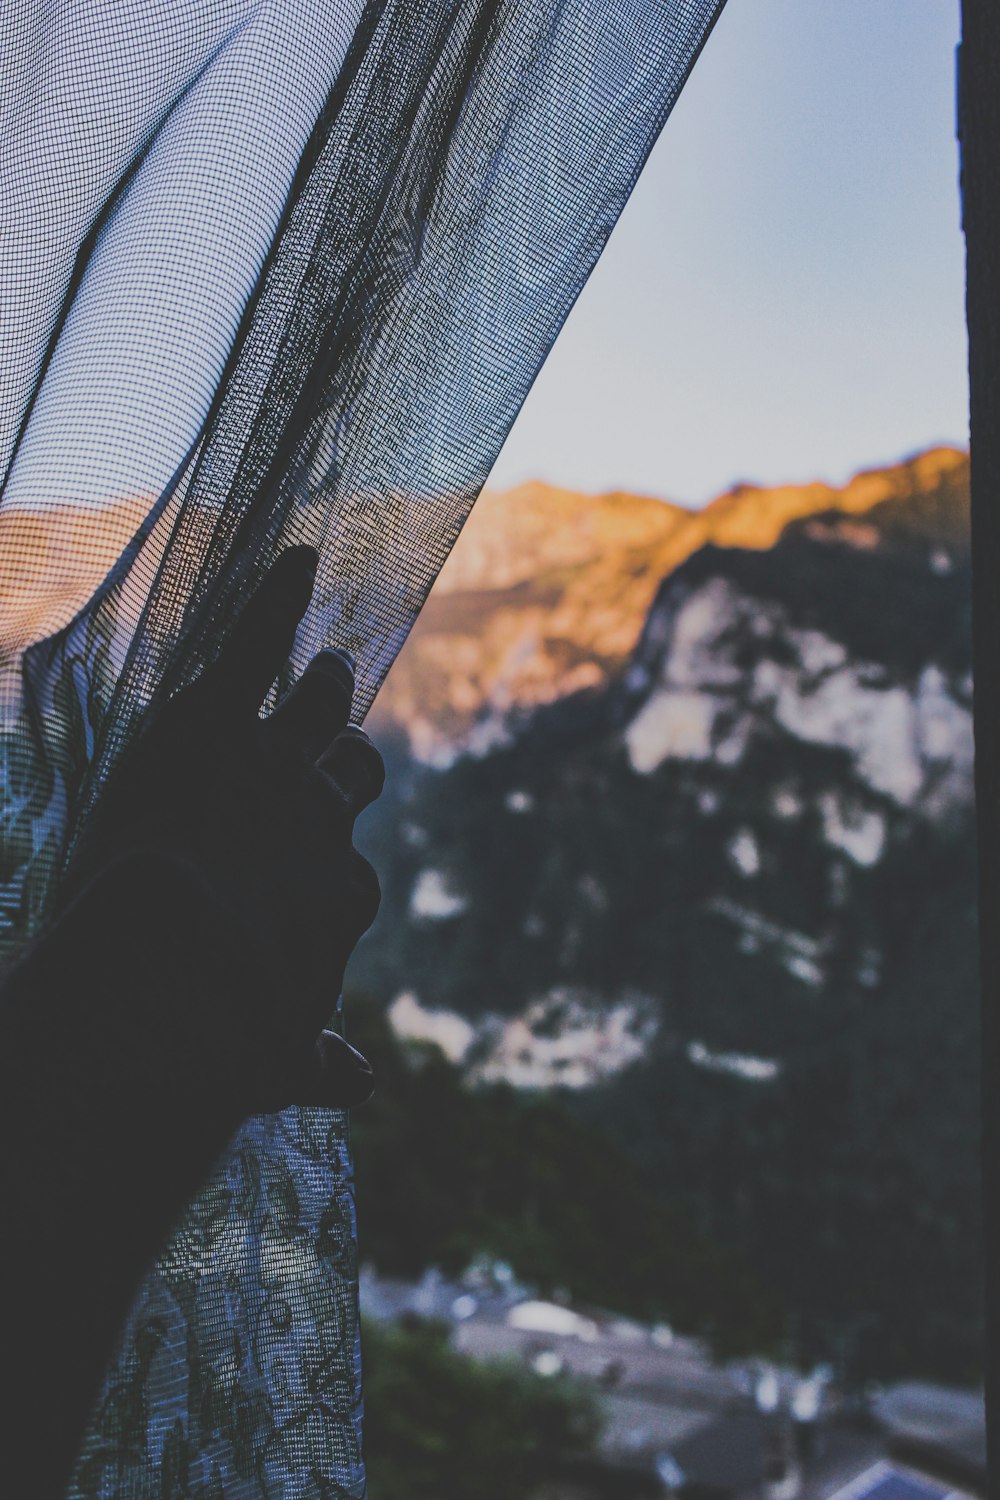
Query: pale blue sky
x,y
783,296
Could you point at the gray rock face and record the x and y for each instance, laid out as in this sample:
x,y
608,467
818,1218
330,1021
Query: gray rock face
x,y
728,900
911,742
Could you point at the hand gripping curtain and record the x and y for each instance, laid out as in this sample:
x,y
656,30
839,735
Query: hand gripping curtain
x,y
274,271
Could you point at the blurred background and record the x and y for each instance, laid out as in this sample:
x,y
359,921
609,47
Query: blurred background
x,y
670,1184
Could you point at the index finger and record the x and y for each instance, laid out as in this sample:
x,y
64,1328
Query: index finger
x,y
263,636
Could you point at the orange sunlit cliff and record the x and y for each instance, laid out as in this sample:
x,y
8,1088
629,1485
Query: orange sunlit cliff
x,y
52,560
547,590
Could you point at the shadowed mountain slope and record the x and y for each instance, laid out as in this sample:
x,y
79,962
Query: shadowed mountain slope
x,y
722,896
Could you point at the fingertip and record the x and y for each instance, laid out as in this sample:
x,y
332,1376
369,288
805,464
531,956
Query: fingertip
x,y
294,573
316,709
301,555
264,634
336,667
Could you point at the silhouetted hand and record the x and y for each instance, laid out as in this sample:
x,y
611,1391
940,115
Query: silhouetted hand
x,y
260,813
184,984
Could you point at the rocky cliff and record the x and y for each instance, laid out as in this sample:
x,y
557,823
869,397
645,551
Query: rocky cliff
x,y
546,591
711,870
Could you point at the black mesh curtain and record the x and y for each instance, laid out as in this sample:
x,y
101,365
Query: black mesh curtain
x,y
274,272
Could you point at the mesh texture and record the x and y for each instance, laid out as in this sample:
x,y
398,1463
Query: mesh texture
x,y
276,271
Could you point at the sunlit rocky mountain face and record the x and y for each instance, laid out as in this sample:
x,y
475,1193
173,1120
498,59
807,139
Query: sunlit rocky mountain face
x,y
680,821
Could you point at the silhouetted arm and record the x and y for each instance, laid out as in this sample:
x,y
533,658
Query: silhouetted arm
x,y
184,986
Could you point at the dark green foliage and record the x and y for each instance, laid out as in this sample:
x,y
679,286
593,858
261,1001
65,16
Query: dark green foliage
x,y
852,1184
438,1425
446,1173
848,1187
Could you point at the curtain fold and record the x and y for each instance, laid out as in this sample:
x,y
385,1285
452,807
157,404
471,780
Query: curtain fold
x,y
279,272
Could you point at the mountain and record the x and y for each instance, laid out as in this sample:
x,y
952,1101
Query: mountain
x,y
546,591
52,559
721,894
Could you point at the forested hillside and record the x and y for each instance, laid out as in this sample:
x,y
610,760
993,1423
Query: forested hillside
x,y
716,898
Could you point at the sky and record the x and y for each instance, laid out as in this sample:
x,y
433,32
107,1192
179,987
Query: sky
x,y
782,298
